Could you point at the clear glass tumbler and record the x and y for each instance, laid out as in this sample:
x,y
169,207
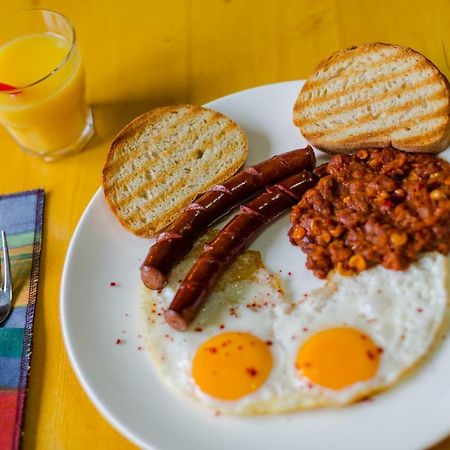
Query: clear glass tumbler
x,y
42,87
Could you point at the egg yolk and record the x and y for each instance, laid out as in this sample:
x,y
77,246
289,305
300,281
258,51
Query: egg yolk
x,y
338,357
231,365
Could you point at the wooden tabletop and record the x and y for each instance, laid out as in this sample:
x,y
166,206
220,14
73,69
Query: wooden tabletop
x,y
142,53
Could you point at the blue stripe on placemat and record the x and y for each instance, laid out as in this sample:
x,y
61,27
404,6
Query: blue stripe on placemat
x,y
16,319
20,216
8,374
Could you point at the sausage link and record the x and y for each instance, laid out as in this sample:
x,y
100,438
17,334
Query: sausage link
x,y
180,236
230,241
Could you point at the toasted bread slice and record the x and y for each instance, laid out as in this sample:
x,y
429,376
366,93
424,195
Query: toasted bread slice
x,y
163,159
375,95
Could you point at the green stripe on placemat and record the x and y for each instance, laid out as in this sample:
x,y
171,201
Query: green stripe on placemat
x,y
21,239
11,342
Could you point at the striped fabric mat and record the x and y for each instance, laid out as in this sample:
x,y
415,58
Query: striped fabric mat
x,y
21,217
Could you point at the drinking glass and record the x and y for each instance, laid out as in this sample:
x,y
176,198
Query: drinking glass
x,y
42,87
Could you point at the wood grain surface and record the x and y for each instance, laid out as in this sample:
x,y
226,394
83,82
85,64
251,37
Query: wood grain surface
x,y
139,54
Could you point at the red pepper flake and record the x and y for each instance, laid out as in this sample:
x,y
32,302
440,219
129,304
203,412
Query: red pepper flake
x,y
140,347
290,273
113,283
388,203
217,413
363,337
222,326
380,349
269,343
119,341
305,329
293,337
212,349
370,355
367,399
251,371
198,329
307,364
239,347
310,385
419,310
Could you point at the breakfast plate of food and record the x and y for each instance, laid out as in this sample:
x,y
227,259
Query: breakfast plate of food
x,y
271,270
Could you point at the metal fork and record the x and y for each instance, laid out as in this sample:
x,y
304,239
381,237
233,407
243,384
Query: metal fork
x,y
6,290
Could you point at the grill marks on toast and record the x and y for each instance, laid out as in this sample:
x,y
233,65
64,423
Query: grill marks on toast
x,y
425,120
352,72
356,128
183,201
330,67
139,151
400,112
176,170
155,132
373,95
164,159
335,102
181,146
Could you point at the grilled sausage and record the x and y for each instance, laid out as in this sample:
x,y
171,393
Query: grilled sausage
x,y
230,241
173,244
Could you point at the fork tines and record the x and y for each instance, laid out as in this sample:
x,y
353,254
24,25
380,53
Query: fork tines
x,y
6,267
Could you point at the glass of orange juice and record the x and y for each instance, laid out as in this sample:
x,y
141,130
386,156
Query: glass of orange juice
x,y
42,102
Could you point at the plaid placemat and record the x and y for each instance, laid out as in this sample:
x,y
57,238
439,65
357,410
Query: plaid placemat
x,y
21,218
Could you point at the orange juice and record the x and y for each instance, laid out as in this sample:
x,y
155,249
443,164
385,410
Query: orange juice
x,y
46,114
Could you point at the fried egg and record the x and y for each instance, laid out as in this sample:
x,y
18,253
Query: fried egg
x,y
225,357
358,335
251,351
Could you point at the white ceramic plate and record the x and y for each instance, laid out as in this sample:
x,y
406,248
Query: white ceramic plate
x,y
122,383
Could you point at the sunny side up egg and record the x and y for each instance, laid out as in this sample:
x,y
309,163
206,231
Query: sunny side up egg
x,y
252,352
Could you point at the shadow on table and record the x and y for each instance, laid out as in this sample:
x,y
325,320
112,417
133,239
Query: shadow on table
x,y
110,118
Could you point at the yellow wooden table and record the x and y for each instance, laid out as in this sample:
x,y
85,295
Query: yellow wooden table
x,y
139,54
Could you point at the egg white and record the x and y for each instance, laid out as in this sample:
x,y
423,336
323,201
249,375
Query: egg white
x,y
400,311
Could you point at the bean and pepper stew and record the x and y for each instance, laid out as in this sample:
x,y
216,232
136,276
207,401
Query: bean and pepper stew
x,y
376,206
